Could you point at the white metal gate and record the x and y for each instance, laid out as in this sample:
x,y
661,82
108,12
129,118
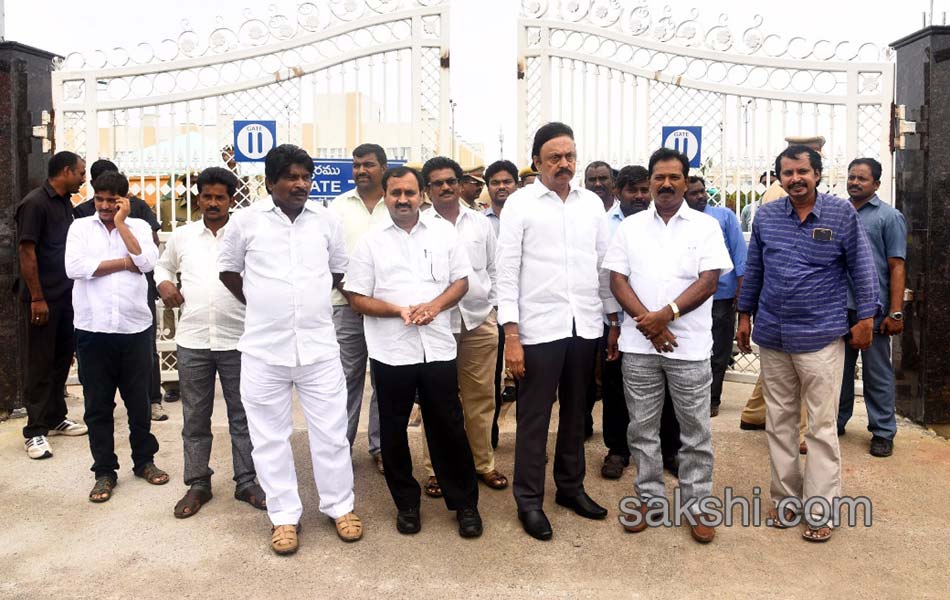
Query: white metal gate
x,y
332,74
617,75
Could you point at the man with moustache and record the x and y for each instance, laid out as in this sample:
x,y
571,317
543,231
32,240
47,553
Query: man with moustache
x,y
470,187
138,209
633,191
599,178
473,320
887,235
404,276
727,290
359,209
42,220
753,415
106,255
803,252
665,263
550,302
207,335
280,257
502,178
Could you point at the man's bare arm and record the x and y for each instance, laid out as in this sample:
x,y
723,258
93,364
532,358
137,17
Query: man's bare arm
x,y
235,284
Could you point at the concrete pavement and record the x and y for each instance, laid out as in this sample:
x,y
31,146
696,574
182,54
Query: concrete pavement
x,y
54,543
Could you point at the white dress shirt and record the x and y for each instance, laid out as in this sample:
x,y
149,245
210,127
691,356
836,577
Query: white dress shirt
x,y
476,234
287,268
115,303
549,255
406,269
356,220
211,317
661,261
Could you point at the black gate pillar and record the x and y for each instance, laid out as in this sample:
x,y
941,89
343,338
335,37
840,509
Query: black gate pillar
x,y
922,355
26,101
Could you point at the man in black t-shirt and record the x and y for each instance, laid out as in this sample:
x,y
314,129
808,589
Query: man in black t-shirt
x,y
139,209
43,218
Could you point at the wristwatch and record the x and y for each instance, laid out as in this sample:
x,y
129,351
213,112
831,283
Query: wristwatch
x,y
897,315
675,309
614,323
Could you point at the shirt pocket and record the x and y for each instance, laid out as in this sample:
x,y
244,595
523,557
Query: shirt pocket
x,y
687,263
437,267
818,252
477,254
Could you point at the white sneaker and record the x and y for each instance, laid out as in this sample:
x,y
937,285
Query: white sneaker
x,y
37,447
68,427
158,413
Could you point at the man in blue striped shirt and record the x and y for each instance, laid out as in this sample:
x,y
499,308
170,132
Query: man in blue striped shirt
x,y
802,252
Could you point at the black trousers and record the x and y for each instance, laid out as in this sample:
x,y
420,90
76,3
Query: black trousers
x,y
615,415
561,367
499,385
155,369
437,386
50,350
110,361
723,332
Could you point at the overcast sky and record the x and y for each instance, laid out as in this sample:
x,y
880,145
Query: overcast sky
x,y
483,37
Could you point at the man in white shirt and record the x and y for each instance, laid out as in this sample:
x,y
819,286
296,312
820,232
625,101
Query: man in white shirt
x,y
280,257
210,324
664,266
106,255
404,277
359,209
502,179
473,320
553,239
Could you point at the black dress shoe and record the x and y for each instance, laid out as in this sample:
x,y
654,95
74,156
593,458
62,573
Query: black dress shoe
x,y
536,524
581,505
881,447
746,426
470,522
409,521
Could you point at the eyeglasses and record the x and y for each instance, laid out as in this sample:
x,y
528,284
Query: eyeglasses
x,y
554,159
443,182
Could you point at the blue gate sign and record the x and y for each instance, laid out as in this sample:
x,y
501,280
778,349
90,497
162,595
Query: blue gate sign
x,y
334,176
253,140
685,139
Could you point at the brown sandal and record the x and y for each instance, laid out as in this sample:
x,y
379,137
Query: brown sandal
x,y
432,488
192,501
253,495
349,527
494,480
817,534
102,491
153,474
790,518
284,539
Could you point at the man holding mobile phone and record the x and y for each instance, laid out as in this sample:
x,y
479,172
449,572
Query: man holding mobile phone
x,y
106,256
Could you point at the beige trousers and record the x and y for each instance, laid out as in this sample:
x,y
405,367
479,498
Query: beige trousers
x,y
477,352
754,411
812,380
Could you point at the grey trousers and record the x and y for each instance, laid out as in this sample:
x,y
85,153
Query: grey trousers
x,y
353,354
644,377
196,371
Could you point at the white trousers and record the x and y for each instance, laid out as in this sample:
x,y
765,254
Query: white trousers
x,y
812,379
266,391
